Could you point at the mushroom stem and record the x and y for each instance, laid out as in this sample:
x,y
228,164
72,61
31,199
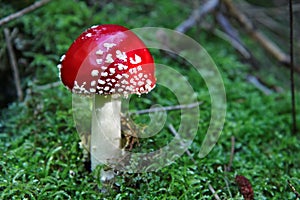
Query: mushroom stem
x,y
106,130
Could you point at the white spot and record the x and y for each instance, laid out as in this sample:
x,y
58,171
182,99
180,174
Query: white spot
x,y
132,82
108,79
139,68
109,45
140,83
121,55
106,88
88,35
99,52
148,87
126,75
93,90
137,59
119,76
101,82
95,73
93,83
104,74
80,89
148,81
120,90
95,26
112,70
112,90
140,75
113,80
109,58
99,61
59,66
104,68
132,71
124,82
129,88
121,66
145,75
62,58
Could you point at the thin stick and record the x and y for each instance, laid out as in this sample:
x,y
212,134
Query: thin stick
x,y
232,39
48,86
197,15
257,35
292,70
214,192
23,11
174,132
294,190
253,80
167,108
231,153
13,62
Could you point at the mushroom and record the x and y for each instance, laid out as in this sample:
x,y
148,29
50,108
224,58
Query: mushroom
x,y
107,61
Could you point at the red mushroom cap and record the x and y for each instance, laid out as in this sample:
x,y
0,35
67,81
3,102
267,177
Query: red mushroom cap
x,y
108,59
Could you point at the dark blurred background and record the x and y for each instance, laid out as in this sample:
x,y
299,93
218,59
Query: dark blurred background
x,y
37,51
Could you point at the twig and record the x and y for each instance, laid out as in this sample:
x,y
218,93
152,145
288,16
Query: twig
x,y
227,185
167,108
48,86
23,11
214,192
294,190
292,70
174,132
257,35
271,24
253,80
232,36
197,15
13,62
36,88
259,10
229,166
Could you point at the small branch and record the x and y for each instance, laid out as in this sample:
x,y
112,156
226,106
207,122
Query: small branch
x,y
253,80
174,132
197,15
229,166
48,86
232,36
23,11
292,71
294,190
167,108
257,35
214,192
13,62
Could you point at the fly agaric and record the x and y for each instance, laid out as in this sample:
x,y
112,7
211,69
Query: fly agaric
x,y
107,61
